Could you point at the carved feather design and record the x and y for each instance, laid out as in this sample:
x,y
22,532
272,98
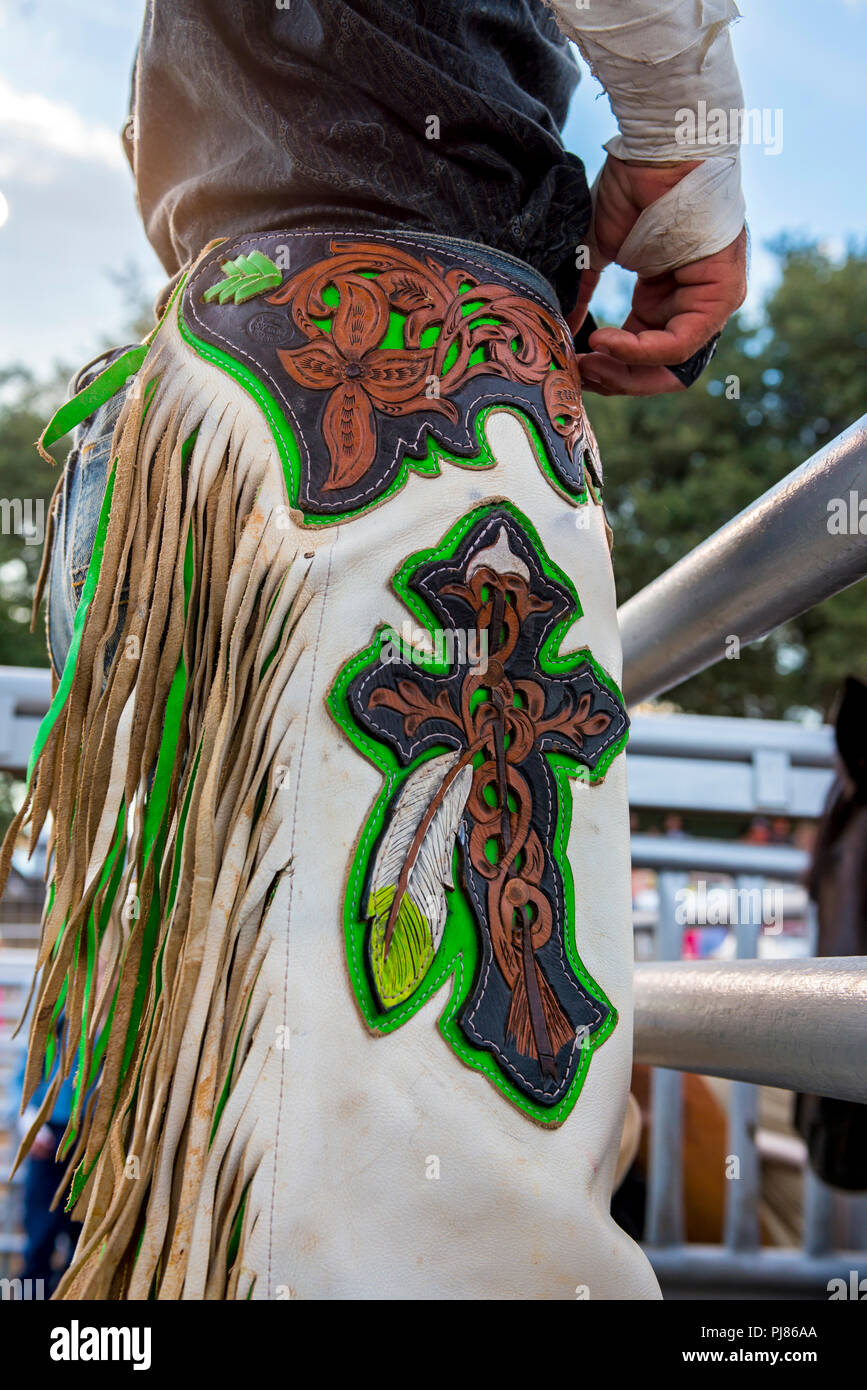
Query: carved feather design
x,y
413,868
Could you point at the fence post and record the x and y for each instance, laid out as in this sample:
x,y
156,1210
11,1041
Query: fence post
x,y
664,1224
742,1192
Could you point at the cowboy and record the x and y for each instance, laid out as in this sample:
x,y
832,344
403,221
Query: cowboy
x,y
361,891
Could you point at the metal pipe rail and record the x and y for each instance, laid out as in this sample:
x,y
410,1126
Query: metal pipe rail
x,y
719,856
723,1273
770,563
726,739
797,1024
25,694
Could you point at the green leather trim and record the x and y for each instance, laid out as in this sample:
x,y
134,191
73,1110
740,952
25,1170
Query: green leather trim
x,y
63,689
100,390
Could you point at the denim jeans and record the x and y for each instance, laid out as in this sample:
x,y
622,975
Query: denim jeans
x,y
77,514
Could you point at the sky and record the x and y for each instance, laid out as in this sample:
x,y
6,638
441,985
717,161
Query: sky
x,y
68,221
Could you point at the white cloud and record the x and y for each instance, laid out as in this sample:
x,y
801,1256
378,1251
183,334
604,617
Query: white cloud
x,y
56,126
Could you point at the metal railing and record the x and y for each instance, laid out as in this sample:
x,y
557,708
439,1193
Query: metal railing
x,y
799,1024
770,563
696,1016
793,1023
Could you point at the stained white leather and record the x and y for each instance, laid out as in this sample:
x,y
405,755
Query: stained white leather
x,y
342,1129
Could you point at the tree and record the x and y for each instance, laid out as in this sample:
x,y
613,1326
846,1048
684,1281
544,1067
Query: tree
x,y
26,485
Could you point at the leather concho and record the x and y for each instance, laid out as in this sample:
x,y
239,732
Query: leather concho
x,y
372,347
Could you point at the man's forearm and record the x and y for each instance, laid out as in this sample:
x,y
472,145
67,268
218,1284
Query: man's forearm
x,y
658,59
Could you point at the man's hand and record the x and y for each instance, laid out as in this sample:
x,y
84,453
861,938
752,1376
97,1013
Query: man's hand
x,y
674,314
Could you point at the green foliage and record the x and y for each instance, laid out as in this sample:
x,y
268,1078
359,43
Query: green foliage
x,y
680,466
26,485
26,405
8,802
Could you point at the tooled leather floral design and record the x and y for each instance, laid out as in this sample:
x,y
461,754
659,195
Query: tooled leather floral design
x,y
456,327
503,717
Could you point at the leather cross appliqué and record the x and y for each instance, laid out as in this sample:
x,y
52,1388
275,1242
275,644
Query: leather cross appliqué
x,y
488,738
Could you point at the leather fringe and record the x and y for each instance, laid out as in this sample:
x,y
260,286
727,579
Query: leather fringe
x,y
163,775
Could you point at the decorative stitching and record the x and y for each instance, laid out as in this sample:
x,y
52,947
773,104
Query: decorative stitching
x,y
301,748
454,967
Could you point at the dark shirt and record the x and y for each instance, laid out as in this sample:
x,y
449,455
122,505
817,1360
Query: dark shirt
x,y
251,117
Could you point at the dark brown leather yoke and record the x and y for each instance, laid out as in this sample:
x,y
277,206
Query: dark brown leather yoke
x,y
372,346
